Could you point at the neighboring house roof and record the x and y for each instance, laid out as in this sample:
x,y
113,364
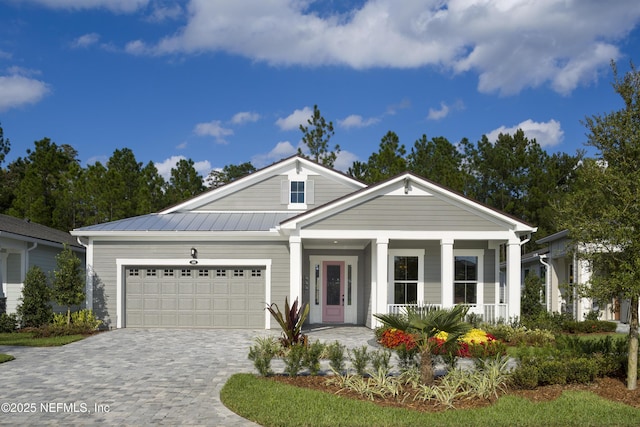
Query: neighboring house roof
x,y
23,229
195,221
552,237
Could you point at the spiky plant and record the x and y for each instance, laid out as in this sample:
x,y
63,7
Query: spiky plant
x,y
426,324
291,321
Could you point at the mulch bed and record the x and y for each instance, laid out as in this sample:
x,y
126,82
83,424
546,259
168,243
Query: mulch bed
x,y
608,388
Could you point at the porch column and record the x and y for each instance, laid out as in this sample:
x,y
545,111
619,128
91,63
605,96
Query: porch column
x,y
513,278
295,268
446,272
382,277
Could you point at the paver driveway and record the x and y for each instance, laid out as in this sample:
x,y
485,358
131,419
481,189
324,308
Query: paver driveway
x,y
136,377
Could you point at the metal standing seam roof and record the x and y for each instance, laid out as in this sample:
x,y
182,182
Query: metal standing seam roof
x,y
196,221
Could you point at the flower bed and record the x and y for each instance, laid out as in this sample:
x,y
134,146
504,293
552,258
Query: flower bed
x,y
475,344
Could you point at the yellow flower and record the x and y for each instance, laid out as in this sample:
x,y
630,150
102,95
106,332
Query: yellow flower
x,y
442,335
476,335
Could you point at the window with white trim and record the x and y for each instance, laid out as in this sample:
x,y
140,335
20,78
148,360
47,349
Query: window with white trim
x,y
297,192
465,286
406,276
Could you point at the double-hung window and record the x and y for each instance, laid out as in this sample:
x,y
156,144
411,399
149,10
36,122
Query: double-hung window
x,y
406,276
465,286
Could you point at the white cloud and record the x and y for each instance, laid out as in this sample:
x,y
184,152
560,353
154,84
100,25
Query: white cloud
x,y
295,119
344,160
86,40
357,121
5,55
203,167
17,90
163,13
245,117
547,134
118,6
213,128
444,111
510,45
282,150
438,114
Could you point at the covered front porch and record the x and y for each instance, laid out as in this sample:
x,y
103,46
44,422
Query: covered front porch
x,y
386,274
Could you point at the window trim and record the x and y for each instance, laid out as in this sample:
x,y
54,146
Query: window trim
x,y
393,253
479,253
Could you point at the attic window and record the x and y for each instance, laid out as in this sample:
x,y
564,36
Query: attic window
x,y
297,192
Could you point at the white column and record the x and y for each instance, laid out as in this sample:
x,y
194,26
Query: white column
x,y
382,276
513,278
295,268
446,272
495,247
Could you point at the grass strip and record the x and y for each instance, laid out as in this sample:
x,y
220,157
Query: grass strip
x,y
27,339
5,357
270,403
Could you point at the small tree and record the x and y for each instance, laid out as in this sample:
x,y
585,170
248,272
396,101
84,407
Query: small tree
x,y
68,281
35,309
530,306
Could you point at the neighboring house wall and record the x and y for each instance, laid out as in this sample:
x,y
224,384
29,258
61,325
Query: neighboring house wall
x,y
14,282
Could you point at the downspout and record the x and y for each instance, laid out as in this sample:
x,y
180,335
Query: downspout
x,y
88,284
26,261
547,282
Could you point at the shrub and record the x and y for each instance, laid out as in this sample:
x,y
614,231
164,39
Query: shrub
x,y
35,310
294,359
262,353
393,338
407,358
588,326
312,355
581,370
86,320
8,322
359,359
335,354
525,377
552,372
380,360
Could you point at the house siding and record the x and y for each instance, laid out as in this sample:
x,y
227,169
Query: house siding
x,y
265,195
418,213
106,253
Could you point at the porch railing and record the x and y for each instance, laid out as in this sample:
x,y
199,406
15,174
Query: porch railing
x,y
491,313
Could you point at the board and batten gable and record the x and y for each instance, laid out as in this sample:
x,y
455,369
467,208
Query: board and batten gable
x,y
411,213
107,252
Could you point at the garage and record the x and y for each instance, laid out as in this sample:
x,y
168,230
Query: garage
x,y
194,297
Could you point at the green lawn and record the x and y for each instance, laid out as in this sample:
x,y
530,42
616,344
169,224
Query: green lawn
x,y
26,339
5,357
270,403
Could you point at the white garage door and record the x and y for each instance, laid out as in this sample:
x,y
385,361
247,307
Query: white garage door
x,y
195,297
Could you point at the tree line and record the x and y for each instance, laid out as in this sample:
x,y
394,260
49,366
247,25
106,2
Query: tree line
x,y
513,174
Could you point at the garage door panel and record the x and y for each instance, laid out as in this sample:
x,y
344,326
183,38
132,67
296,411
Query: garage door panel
x,y
225,297
168,304
220,304
186,304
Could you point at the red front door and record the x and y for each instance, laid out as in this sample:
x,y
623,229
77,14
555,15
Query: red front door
x,y
333,290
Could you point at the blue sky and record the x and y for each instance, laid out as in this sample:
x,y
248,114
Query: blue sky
x,y
227,81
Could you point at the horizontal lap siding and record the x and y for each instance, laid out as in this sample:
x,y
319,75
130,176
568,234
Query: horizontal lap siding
x,y
265,195
420,213
106,253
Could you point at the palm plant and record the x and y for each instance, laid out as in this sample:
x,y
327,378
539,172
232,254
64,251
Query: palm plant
x,y
426,323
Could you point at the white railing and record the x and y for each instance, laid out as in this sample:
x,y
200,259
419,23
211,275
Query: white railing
x,y
489,312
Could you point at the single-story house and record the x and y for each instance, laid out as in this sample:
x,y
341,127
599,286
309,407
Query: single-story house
x,y
23,245
563,272
299,230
